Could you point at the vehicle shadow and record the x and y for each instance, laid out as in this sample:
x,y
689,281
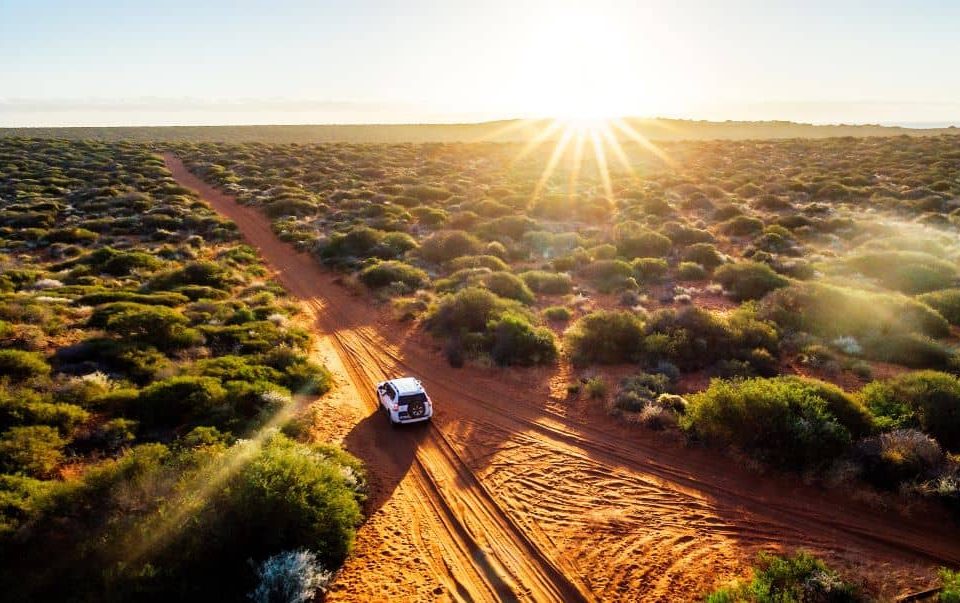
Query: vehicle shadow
x,y
387,452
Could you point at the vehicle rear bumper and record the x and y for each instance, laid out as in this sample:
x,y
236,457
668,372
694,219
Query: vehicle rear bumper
x,y
405,420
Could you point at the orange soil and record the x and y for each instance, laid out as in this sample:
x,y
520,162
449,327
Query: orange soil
x,y
515,493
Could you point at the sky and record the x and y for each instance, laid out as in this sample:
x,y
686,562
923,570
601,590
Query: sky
x,y
380,61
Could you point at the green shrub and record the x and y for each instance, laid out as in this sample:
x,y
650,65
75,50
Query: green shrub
x,y
898,457
21,498
704,254
690,271
34,449
749,280
557,313
491,262
638,391
950,586
160,326
644,244
516,341
466,311
830,312
388,272
608,275
307,378
394,245
906,271
946,302
120,263
739,226
236,368
549,283
649,270
927,400
176,400
293,495
790,422
20,365
207,274
513,227
359,242
912,350
26,407
448,245
596,388
694,338
801,578
71,235
606,337
509,286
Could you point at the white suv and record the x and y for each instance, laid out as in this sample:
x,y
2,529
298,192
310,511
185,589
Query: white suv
x,y
404,400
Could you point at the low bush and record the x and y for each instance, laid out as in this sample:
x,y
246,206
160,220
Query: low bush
x,y
509,286
549,283
649,270
950,586
690,271
557,313
20,365
898,457
927,400
704,254
609,275
207,274
390,272
291,576
35,450
490,262
638,391
946,302
448,245
28,407
644,244
912,350
800,578
906,271
177,400
606,337
694,338
596,388
749,280
790,422
830,312
165,328
740,226
517,342
466,311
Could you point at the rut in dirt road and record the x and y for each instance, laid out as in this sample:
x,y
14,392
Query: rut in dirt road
x,y
509,498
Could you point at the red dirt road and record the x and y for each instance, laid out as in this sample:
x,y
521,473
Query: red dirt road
x,y
514,493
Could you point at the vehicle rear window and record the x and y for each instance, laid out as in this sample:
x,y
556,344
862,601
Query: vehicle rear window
x,y
411,398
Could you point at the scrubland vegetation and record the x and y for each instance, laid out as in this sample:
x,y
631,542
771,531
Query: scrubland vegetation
x,y
148,371
794,302
788,272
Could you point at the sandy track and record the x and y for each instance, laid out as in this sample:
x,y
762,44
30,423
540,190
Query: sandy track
x,y
514,494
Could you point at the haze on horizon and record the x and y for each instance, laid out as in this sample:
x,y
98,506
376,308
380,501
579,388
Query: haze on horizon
x,y
380,61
